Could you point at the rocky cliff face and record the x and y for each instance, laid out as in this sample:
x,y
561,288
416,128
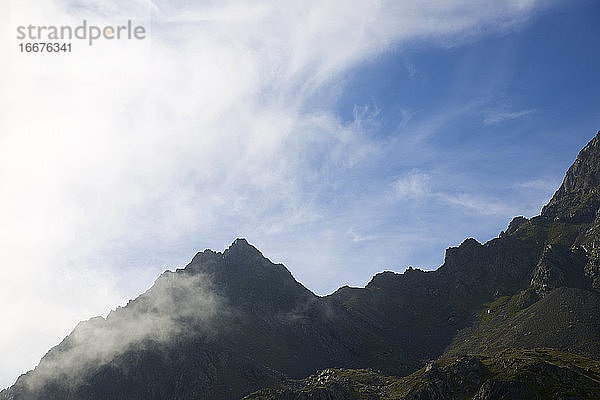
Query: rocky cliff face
x,y
232,322
578,201
578,198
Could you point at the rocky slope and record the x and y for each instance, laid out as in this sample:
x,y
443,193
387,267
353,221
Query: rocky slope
x,y
510,374
225,325
231,323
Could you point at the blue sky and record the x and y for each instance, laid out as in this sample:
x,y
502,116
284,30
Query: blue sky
x,y
341,138
483,129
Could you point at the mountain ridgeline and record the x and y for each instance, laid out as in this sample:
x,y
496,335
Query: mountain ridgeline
x,y
516,317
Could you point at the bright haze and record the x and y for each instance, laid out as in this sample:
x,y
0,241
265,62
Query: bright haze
x,y
340,138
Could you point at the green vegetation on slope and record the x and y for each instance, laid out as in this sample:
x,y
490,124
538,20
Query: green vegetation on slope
x,y
510,374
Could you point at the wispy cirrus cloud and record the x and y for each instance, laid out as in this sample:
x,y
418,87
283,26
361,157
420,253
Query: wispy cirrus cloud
x,y
474,202
548,185
120,160
497,116
413,184
419,186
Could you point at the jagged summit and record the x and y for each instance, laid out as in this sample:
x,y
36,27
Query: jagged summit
x,y
239,246
239,257
241,249
241,242
578,198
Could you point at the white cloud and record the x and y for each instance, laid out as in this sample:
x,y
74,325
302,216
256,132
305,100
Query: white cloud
x,y
413,184
417,185
548,186
473,202
358,237
115,157
497,116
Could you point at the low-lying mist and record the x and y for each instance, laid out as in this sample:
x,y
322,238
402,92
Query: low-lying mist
x,y
178,305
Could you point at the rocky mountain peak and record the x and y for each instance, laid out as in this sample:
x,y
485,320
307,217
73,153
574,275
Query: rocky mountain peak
x,y
239,254
248,280
241,243
241,248
467,249
578,198
516,224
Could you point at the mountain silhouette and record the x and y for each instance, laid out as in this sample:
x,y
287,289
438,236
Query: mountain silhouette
x,y
232,323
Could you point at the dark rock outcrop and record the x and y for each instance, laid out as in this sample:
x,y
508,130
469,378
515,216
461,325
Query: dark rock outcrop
x,y
510,374
578,198
515,224
559,266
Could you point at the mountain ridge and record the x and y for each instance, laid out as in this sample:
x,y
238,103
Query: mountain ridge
x,y
232,322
